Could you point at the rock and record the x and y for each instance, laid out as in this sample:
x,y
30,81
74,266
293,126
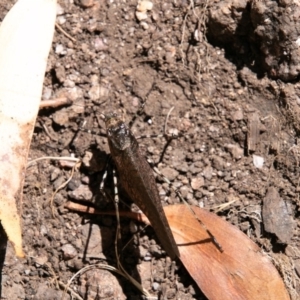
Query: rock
x,y
69,251
142,251
60,73
277,216
61,117
60,50
144,5
207,172
86,3
83,192
236,151
55,173
197,182
47,293
94,92
169,173
258,161
238,115
100,284
41,260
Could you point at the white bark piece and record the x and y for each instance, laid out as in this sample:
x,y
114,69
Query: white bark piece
x,y
25,37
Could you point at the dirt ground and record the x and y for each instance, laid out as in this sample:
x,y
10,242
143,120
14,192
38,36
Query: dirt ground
x,y
236,104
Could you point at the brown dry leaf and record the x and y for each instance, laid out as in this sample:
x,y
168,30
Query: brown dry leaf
x,y
25,37
241,271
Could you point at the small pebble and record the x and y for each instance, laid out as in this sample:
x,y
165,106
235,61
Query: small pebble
x,y
86,161
133,227
144,25
208,172
61,117
169,173
99,44
60,50
141,15
144,5
58,182
184,191
148,257
41,260
87,3
155,286
142,251
73,184
258,161
83,192
155,250
238,115
54,174
197,182
43,230
59,10
236,151
66,163
60,73
59,199
61,20
94,92
69,251
47,93
104,72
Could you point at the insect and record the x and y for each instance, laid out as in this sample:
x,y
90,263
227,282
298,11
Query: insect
x,y
137,179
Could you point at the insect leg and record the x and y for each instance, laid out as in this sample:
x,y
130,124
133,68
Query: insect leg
x,y
116,202
103,180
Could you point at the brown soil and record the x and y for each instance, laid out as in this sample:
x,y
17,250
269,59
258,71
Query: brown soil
x,y
228,106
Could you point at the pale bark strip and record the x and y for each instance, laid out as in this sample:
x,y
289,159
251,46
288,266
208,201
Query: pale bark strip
x,y
26,35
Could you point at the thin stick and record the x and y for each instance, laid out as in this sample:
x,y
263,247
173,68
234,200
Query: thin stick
x,y
68,158
94,211
55,102
66,34
53,138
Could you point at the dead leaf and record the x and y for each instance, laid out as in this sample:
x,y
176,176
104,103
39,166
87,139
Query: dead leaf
x,y
25,37
240,272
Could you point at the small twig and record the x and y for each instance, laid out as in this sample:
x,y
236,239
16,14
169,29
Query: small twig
x,y
53,138
94,211
68,158
55,102
66,34
223,206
